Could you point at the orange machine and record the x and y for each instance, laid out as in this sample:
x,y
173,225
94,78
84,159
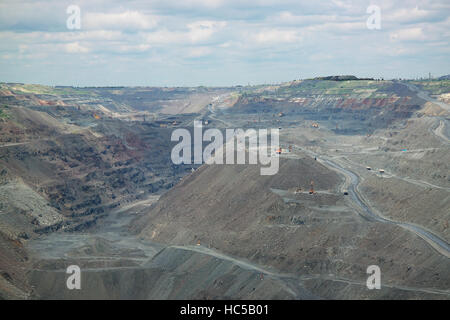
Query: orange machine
x,y
311,190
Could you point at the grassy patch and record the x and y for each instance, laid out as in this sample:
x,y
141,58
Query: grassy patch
x,y
356,88
3,115
434,86
41,89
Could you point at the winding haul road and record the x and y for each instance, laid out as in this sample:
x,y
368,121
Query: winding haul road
x,y
436,242
425,96
439,244
439,131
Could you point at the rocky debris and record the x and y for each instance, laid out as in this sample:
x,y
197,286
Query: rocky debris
x,y
298,234
68,159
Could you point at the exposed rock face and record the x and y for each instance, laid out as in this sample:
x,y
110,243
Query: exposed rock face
x,y
174,273
236,211
362,104
72,159
63,170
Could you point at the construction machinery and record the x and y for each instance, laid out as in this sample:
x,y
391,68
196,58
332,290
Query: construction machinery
x,y
311,190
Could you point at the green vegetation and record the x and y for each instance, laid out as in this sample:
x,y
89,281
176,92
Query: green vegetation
x,y
3,115
356,88
41,89
434,86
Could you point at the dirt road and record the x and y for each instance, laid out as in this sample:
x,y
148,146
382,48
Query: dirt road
x,y
436,242
440,131
425,96
14,144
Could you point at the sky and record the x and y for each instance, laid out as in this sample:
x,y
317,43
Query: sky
x,y
220,42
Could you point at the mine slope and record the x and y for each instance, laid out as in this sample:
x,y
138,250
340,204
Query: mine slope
x,y
86,178
262,219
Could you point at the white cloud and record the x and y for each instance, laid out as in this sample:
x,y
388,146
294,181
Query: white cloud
x,y
197,32
165,37
286,17
339,27
169,33
198,52
200,3
203,30
269,36
133,48
128,20
75,47
342,4
92,35
410,34
320,57
409,15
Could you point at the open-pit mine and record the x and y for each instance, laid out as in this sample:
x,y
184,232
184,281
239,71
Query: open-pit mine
x,y
87,180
